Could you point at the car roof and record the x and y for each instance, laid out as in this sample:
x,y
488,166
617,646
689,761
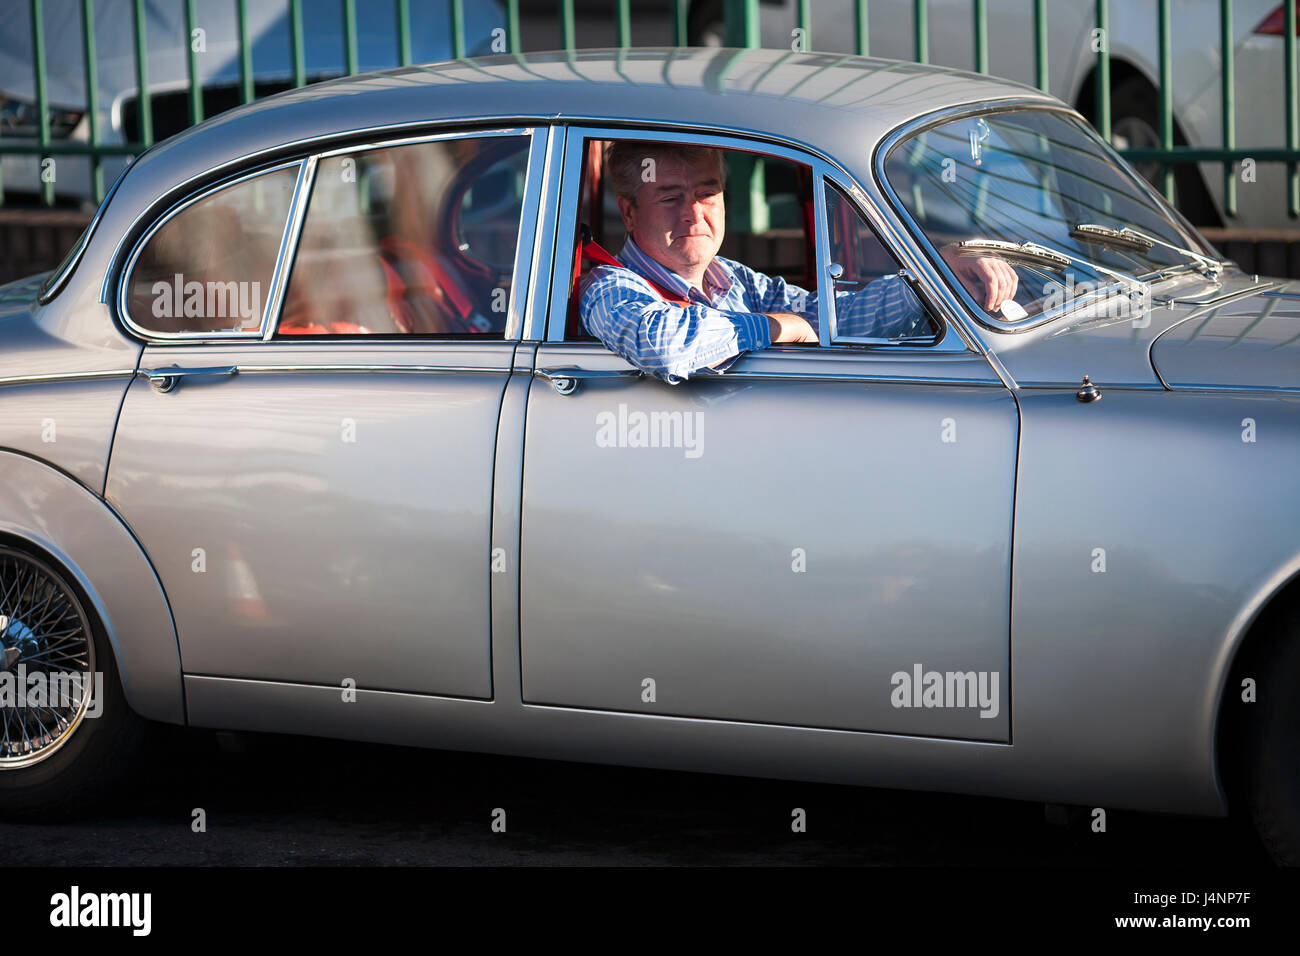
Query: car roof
x,y
843,105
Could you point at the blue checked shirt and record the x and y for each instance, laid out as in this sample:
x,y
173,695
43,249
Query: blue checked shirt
x,y
673,342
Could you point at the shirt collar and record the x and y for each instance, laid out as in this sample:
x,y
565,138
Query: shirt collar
x,y
718,276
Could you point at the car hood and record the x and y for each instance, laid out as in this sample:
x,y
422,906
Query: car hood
x,y
1250,342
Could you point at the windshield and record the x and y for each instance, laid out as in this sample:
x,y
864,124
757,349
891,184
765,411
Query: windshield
x,y
1045,178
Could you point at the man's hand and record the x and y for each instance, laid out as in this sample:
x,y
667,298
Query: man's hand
x,y
990,275
788,327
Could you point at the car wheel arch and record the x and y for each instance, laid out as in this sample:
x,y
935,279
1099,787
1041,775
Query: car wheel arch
x,y
79,534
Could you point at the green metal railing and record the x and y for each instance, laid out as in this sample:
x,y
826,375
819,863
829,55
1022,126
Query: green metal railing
x,y
742,20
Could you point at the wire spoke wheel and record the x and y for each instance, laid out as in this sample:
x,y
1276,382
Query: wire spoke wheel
x,y
48,663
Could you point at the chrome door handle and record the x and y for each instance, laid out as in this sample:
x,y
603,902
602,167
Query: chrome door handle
x,y
166,379
566,380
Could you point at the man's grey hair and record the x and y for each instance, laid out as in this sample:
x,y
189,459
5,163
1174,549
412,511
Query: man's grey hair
x,y
624,159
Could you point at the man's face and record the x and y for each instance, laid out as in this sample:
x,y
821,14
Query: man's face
x,y
679,218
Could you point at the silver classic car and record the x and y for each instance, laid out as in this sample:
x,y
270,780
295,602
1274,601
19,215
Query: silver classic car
x,y
310,433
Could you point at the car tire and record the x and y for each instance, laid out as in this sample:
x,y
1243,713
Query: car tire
x,y
87,769
1135,116
1273,746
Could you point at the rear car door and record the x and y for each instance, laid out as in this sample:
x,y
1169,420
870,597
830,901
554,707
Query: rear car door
x,y
313,478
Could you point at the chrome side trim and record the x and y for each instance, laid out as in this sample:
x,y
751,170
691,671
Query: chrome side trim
x,y
288,246
124,277
554,374
241,369
67,377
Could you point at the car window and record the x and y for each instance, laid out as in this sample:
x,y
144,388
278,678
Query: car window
x,y
417,239
208,268
871,300
768,217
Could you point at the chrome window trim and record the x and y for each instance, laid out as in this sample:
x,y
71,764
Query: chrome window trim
x,y
527,225
298,209
950,341
547,208
124,277
962,297
955,339
54,283
288,246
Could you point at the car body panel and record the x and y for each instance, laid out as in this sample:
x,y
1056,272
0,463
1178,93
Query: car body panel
x,y
1250,342
321,524
48,510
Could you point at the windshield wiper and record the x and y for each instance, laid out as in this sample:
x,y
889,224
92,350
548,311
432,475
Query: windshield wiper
x,y
1134,240
1033,253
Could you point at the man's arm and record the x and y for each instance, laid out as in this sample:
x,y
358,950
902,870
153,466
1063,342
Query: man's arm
x,y
664,339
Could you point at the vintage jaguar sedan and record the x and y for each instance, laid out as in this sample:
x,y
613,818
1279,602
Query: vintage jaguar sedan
x,y
308,435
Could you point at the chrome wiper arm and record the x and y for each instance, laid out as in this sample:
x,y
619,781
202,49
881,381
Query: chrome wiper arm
x,y
1034,253
1126,237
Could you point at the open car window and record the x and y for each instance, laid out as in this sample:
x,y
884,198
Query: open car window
x,y
769,220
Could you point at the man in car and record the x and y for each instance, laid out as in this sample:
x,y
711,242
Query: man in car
x,y
714,308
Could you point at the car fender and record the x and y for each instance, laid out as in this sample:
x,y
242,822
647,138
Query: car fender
x,y
47,509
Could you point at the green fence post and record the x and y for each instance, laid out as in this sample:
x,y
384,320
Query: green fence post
x,y
1292,129
42,100
245,54
1103,70
350,36
404,55
515,39
920,20
1227,82
143,97
1040,46
624,16
862,39
1166,99
567,26
192,61
742,24
92,97
296,43
457,29
803,20
681,32
981,36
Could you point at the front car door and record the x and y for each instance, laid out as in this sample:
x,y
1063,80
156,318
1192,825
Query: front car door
x,y
814,538
313,480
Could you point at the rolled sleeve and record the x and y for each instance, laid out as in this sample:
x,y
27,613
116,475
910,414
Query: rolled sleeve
x,y
665,339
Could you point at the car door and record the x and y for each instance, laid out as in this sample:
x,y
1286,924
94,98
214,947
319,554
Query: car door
x,y
313,481
818,537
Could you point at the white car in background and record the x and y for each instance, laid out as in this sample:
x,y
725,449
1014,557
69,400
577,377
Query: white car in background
x,y
1133,43
268,31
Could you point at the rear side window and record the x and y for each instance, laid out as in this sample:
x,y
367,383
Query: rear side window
x,y
207,269
416,239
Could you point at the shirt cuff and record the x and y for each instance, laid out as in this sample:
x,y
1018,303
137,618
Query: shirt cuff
x,y
752,331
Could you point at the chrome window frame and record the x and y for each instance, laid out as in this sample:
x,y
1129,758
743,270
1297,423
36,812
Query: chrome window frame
x,y
953,339
124,279
539,134
936,118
